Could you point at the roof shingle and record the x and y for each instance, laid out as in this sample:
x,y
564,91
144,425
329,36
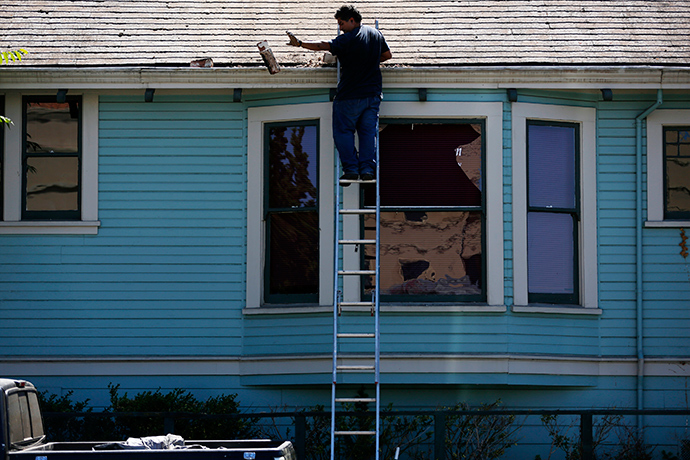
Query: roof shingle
x,y
419,32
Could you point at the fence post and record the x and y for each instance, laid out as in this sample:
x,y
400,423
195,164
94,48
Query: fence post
x,y
300,435
586,439
439,436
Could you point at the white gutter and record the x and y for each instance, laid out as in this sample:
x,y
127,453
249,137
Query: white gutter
x,y
639,224
535,77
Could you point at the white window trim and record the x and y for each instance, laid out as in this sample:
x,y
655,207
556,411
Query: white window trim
x,y
655,165
11,222
588,275
492,112
256,228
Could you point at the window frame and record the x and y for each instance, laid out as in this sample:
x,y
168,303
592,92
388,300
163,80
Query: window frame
x,y
437,299
11,219
268,212
492,112
574,212
656,182
258,118
587,270
72,215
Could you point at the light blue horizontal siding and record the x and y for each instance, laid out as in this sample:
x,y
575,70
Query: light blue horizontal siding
x,y
666,286
165,274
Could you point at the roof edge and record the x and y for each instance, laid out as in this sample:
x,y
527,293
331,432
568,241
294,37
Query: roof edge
x,y
534,77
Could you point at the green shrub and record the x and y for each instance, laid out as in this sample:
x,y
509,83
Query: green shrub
x,y
480,436
216,418
219,417
69,427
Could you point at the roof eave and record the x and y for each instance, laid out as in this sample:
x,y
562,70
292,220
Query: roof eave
x,y
523,76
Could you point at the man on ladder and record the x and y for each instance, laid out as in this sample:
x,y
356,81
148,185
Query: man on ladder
x,y
359,49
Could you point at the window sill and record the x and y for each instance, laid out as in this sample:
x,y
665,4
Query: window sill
x,y
50,228
557,309
667,223
298,309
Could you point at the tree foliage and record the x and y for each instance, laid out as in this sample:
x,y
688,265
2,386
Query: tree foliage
x,y
12,55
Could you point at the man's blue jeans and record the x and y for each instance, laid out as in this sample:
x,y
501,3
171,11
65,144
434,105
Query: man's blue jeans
x,y
361,115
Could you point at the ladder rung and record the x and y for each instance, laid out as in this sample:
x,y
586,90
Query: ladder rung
x,y
355,433
355,368
357,181
358,211
356,335
357,241
357,304
355,400
356,272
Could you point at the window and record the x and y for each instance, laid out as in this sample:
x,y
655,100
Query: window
x,y
291,168
668,168
554,209
474,206
50,165
432,219
552,214
677,172
291,212
51,159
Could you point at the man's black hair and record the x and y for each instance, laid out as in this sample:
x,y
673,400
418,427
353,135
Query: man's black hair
x,y
346,12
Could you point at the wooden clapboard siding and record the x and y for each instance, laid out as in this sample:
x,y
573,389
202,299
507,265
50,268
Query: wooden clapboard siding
x,y
167,266
616,228
165,276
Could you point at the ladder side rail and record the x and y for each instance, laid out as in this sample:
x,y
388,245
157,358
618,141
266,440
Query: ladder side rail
x,y
376,293
336,262
377,290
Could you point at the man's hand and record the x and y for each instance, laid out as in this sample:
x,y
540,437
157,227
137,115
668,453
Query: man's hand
x,y
294,41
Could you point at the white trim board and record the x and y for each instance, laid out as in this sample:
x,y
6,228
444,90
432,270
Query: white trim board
x,y
321,364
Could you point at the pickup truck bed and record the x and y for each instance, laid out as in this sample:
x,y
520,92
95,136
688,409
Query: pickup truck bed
x,y
226,450
22,438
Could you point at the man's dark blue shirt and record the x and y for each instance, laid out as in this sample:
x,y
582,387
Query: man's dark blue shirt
x,y
359,52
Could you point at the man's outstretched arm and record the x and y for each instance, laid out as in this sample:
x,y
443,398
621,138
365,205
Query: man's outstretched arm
x,y
386,55
314,46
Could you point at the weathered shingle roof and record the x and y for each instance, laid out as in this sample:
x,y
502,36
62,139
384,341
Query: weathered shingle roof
x,y
420,32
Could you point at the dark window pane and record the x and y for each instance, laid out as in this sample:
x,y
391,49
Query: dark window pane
x,y
292,166
677,174
678,185
428,253
52,127
551,161
294,253
431,165
52,183
550,253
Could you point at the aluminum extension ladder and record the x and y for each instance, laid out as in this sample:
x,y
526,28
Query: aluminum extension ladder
x,y
370,330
